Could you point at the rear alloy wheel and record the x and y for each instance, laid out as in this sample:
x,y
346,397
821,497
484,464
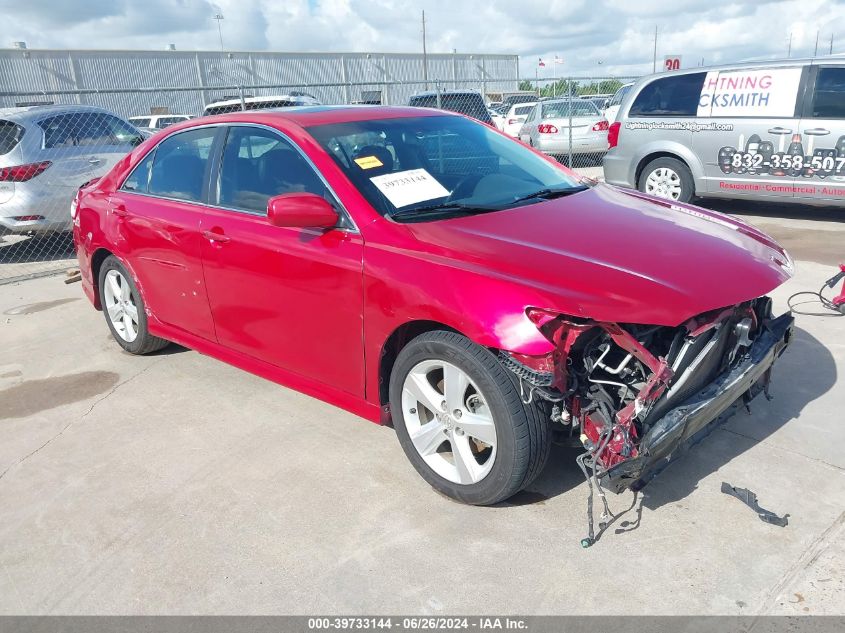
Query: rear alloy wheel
x,y
461,422
124,309
667,178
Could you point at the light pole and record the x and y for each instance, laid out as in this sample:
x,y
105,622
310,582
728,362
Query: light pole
x,y
219,18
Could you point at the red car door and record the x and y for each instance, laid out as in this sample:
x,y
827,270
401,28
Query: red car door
x,y
288,296
157,214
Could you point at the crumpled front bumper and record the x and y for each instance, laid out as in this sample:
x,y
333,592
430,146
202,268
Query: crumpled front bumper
x,y
683,425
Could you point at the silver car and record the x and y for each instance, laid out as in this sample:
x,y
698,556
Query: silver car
x,y
548,126
46,153
772,131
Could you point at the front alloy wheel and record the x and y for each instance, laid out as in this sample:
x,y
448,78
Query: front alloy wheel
x,y
460,420
449,422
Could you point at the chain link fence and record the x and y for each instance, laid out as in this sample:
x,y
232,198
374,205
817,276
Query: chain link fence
x,y
54,140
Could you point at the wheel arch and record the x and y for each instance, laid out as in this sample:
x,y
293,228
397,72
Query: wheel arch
x,y
97,260
394,343
654,156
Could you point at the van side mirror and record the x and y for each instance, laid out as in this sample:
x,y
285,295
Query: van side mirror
x,y
303,210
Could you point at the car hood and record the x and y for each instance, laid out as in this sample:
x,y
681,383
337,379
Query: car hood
x,y
613,255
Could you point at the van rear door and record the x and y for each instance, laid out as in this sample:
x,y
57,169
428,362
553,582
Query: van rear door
x,y
748,140
823,131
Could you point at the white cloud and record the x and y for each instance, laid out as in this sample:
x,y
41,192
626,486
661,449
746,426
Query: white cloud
x,y
598,37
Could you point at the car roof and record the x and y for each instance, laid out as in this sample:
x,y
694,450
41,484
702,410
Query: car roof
x,y
306,116
33,113
434,93
237,100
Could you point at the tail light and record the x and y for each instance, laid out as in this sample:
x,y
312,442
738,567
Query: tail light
x,y
547,128
22,173
613,134
601,126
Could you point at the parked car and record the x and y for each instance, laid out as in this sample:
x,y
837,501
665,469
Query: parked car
x,y
154,122
516,117
46,153
511,99
612,109
547,128
468,102
235,104
497,118
770,131
442,276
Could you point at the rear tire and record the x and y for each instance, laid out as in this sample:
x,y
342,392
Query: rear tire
x,y
124,310
452,447
667,178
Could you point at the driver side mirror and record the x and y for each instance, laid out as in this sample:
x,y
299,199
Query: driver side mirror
x,y
303,210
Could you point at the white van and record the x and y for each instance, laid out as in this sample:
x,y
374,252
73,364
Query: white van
x,y
763,131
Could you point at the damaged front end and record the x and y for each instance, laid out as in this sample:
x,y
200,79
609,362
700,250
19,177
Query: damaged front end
x,y
635,394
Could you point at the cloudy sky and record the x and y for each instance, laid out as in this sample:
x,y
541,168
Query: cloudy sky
x,y
592,36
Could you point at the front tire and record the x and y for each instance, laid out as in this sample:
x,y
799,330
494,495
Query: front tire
x,y
123,308
667,178
461,422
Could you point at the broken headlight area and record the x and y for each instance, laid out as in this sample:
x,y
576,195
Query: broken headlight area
x,y
633,394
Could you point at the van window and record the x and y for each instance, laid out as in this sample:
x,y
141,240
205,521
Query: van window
x,y
676,95
829,96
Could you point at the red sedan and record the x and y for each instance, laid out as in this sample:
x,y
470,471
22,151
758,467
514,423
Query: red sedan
x,y
418,267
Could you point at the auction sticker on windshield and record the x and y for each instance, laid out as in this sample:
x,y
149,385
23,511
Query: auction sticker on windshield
x,y
409,187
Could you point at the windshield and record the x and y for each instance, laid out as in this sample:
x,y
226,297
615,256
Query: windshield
x,y
565,109
407,165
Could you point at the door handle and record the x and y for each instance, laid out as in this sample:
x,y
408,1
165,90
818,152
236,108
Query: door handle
x,y
816,131
779,130
212,236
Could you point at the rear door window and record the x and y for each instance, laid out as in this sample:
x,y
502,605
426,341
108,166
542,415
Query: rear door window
x,y
10,136
140,176
675,95
179,167
829,95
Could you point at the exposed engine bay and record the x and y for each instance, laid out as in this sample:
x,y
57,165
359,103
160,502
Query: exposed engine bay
x,y
632,394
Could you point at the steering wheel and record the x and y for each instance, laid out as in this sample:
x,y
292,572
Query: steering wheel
x,y
465,187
